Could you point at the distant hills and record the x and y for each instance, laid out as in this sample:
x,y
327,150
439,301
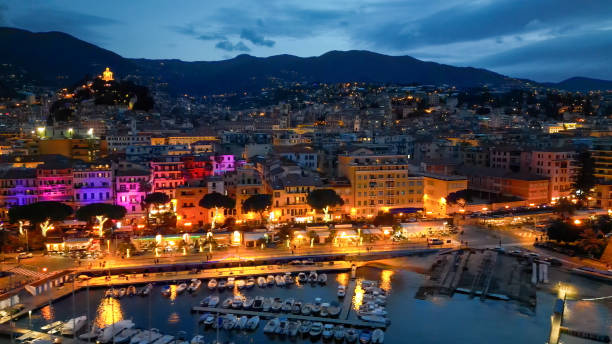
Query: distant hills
x,y
581,84
58,60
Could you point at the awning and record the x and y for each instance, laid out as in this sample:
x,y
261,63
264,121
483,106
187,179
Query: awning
x,y
405,210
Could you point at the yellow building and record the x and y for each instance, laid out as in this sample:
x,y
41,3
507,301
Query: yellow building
x,y
189,215
107,75
437,188
83,149
289,198
380,183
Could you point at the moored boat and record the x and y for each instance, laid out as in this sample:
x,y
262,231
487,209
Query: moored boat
x,y
221,285
146,336
316,329
270,280
181,288
279,280
110,331
231,281
250,283
194,285
312,276
227,303
146,290
365,336
261,282
125,336
252,323
305,327
197,339
73,326
328,331
271,325
288,305
277,304
341,291
241,322
258,303
351,335
339,333
237,302
297,307
322,278
267,304
166,290
240,283
213,302
131,291
248,303
378,336
302,278
293,328
306,309
212,284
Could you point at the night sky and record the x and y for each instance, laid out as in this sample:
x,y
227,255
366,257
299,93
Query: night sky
x,y
544,40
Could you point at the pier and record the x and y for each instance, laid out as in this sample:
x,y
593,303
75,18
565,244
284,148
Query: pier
x,y
24,334
268,315
348,299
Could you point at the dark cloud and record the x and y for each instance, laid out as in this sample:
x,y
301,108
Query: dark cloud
x,y
229,46
84,26
585,54
211,37
256,38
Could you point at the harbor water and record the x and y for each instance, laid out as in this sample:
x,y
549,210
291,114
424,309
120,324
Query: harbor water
x,y
458,319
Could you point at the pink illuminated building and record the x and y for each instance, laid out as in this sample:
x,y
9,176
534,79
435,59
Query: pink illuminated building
x,y
131,188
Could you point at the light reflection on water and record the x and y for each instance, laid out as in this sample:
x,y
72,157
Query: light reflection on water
x,y
109,311
47,312
385,279
358,296
343,278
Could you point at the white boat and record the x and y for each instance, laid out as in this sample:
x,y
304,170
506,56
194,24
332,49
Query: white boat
x,y
270,279
374,318
378,336
230,283
146,337
119,293
293,328
288,305
252,323
339,333
166,290
248,303
302,278
181,288
280,280
328,331
237,302
165,339
315,329
199,339
261,282
125,336
341,291
91,335
267,304
306,309
207,319
240,283
146,290
322,278
195,285
131,291
112,330
289,278
241,322
271,325
250,283
283,326
212,284
227,303
73,326
109,293
221,285
312,276
52,325
205,301
213,302
229,321
305,327
351,335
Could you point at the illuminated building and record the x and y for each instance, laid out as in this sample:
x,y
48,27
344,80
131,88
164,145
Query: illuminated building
x,y
289,197
17,187
92,184
54,181
130,190
107,75
557,165
197,167
436,190
242,184
167,174
602,156
380,183
82,149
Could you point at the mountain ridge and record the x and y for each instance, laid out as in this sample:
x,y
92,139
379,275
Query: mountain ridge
x,y
69,59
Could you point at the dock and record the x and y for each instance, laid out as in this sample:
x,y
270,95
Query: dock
x,y
23,334
268,315
348,299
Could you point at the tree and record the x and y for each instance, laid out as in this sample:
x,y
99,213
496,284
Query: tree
x,y
215,201
591,242
562,231
564,208
384,219
585,178
41,214
102,212
156,198
322,199
159,200
258,203
460,198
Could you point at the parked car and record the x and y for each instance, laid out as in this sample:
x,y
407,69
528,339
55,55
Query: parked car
x,y
24,255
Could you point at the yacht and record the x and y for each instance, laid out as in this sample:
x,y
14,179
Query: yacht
x,y
73,326
279,280
195,285
125,336
261,282
227,303
271,325
52,325
230,283
288,305
250,283
241,322
131,291
339,333
302,277
198,339
237,302
213,302
378,336
212,284
305,327
112,330
322,278
181,288
258,303
365,336
293,328
316,329
341,291
328,331
146,290
146,336
351,335
252,323
248,303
